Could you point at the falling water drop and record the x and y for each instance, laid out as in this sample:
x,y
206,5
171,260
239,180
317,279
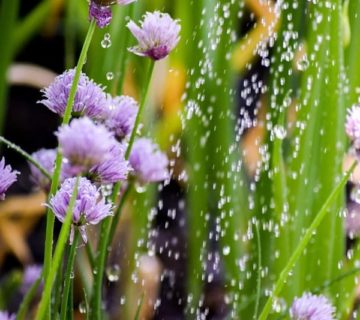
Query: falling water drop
x,y
355,194
113,273
226,250
140,188
109,76
106,42
82,307
279,132
303,63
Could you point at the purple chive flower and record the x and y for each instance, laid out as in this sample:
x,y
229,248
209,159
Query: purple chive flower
x,y
157,36
149,164
45,157
90,100
100,10
4,315
352,125
31,274
121,115
90,207
84,144
7,178
115,168
311,307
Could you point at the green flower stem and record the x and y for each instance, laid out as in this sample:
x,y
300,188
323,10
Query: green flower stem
x,y
258,280
141,107
303,243
115,219
68,277
90,254
124,54
63,237
26,156
99,270
8,16
79,66
50,218
23,310
106,224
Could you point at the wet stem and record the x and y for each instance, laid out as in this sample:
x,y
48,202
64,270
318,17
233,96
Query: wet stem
x,y
56,261
68,275
50,217
303,243
109,224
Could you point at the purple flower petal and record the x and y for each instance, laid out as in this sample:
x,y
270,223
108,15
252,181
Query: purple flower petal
x,y
7,178
157,36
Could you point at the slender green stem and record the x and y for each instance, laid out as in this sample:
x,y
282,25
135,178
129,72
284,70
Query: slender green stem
x,y
50,218
303,243
99,268
26,156
78,69
90,254
23,310
8,16
141,107
57,290
63,237
124,54
138,309
258,281
68,277
115,219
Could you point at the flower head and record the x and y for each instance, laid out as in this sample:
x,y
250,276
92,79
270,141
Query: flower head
x,y
84,144
89,208
113,169
45,157
157,36
121,115
90,100
100,10
7,178
311,307
352,125
31,274
4,315
149,164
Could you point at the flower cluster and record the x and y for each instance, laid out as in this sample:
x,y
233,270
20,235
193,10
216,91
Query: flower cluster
x,y
311,307
157,36
4,315
89,208
7,178
90,99
100,10
149,164
121,114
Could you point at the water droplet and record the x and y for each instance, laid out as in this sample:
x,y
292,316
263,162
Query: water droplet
x,y
226,250
355,194
110,76
72,275
106,42
113,273
303,63
82,307
279,132
140,188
